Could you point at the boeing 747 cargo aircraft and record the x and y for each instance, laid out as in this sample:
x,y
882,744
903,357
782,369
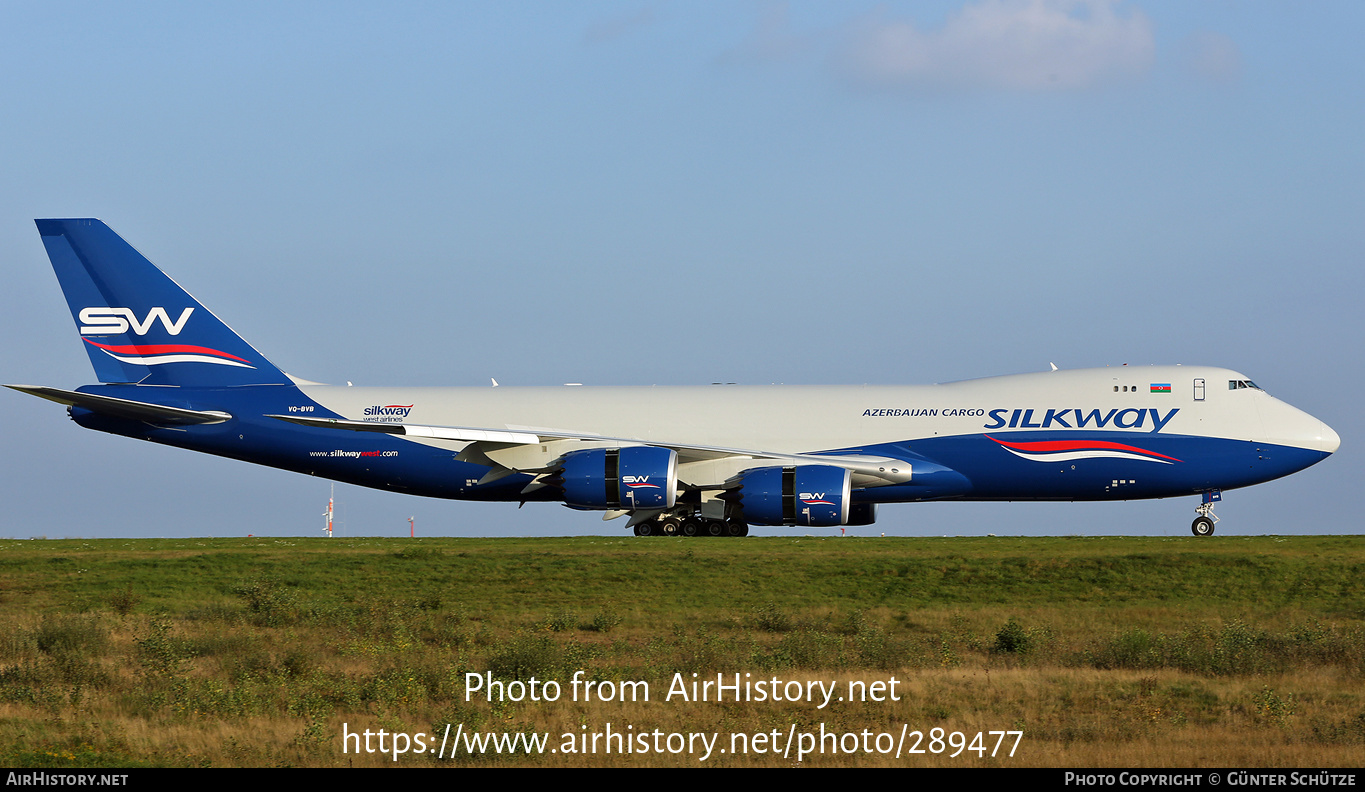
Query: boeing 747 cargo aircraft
x,y
692,461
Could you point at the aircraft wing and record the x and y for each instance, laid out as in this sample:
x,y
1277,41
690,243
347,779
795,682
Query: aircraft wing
x,y
497,448
456,433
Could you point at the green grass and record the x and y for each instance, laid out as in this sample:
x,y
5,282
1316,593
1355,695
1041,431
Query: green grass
x,y
1319,575
253,651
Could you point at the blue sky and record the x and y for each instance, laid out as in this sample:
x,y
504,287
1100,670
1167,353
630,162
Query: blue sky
x,y
682,193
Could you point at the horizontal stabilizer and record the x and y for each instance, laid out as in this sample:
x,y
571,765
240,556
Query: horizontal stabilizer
x,y
125,408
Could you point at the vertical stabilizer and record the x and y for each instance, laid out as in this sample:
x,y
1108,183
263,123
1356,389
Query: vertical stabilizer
x,y
137,324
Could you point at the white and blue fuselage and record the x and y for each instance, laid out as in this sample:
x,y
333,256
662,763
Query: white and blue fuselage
x,y
692,459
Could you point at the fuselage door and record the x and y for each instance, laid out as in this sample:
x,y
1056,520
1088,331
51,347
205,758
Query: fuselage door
x,y
1199,389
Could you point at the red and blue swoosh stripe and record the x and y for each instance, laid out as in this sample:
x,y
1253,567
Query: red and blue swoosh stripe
x,y
159,354
1068,450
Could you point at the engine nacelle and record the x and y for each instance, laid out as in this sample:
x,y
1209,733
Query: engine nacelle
x,y
638,477
810,495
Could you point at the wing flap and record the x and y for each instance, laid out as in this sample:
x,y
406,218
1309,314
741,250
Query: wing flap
x,y
453,433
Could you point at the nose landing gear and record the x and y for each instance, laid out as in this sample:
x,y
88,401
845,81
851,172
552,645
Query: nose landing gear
x,y
1203,524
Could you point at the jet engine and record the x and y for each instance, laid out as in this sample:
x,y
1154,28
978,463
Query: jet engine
x,y
811,495
637,477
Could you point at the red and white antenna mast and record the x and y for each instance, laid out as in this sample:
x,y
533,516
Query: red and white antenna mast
x,y
328,513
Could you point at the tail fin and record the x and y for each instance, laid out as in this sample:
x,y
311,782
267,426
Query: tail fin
x,y
137,324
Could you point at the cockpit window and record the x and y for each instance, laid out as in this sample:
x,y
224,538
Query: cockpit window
x,y
1235,384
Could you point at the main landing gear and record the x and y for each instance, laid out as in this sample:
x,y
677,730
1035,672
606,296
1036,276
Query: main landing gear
x,y
1203,524
690,526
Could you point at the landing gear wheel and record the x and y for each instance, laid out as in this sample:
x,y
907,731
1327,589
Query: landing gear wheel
x,y
1203,524
647,528
715,528
733,528
690,528
668,527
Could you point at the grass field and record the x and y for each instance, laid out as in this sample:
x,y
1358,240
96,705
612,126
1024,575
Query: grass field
x,y
1232,651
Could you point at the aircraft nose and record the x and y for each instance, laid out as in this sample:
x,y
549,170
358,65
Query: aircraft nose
x,y
1313,435
1328,441
1286,425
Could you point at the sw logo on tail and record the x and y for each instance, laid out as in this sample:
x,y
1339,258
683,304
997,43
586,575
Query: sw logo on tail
x,y
111,321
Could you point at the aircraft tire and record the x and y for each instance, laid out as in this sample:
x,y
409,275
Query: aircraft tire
x,y
1202,526
715,528
733,528
668,527
690,528
646,528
